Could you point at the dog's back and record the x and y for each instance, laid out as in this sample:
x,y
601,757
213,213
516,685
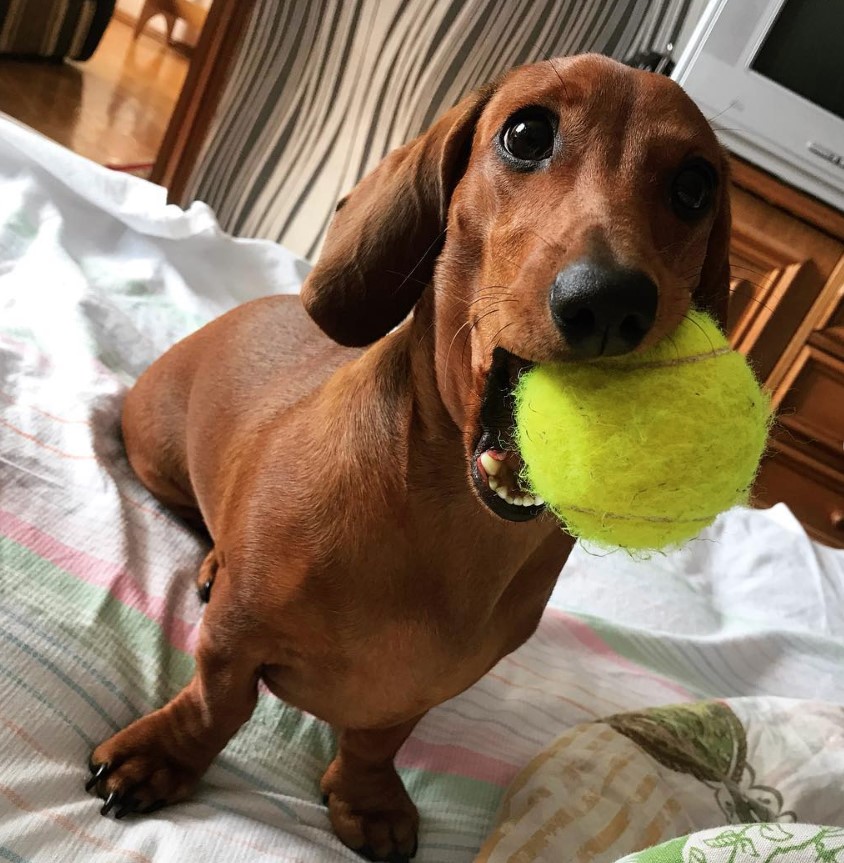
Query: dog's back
x,y
183,419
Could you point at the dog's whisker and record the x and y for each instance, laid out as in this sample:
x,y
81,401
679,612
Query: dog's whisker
x,y
674,344
553,246
738,290
443,290
481,317
691,320
504,300
761,285
408,278
416,266
510,261
454,338
758,270
743,284
486,296
711,120
496,337
550,62
468,337
489,296
679,242
752,299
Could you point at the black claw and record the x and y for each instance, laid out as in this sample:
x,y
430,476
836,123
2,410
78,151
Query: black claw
x,y
205,591
98,771
126,807
392,857
325,800
153,807
415,847
110,802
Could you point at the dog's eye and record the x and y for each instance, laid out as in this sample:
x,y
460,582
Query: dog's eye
x,y
693,190
529,135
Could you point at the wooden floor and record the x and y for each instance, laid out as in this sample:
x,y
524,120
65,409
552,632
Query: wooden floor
x,y
114,108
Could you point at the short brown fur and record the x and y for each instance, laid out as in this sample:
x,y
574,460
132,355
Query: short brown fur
x,y
354,567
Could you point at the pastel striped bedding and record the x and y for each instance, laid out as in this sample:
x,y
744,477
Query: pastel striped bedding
x,y
97,606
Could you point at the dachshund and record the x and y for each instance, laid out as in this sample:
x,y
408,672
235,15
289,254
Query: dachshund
x,y
373,553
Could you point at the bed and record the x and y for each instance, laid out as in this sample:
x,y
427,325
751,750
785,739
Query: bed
x,y
98,612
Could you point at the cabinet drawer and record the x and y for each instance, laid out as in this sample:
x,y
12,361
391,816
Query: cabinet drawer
x,y
813,492
816,399
780,268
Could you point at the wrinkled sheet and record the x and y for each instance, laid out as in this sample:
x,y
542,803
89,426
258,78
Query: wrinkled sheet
x,y
97,606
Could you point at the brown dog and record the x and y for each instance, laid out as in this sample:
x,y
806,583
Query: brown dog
x,y
372,553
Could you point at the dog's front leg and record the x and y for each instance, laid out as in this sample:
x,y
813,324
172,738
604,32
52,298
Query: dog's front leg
x,y
370,809
160,758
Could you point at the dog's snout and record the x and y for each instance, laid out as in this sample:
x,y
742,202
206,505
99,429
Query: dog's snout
x,y
602,310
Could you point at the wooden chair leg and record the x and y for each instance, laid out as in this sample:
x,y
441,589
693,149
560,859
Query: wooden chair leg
x,y
150,9
171,23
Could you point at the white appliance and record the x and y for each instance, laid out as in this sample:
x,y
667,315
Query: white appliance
x,y
769,75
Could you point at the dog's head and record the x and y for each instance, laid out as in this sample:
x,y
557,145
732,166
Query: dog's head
x,y
574,209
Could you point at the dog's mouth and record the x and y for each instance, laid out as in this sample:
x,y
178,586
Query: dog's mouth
x,y
496,463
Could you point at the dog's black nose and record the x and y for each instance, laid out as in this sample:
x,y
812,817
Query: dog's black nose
x,y
602,310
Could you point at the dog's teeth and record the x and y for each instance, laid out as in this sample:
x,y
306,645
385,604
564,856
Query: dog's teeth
x,y
538,500
489,464
501,480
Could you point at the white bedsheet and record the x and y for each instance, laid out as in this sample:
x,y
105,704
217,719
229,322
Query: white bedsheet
x,y
97,608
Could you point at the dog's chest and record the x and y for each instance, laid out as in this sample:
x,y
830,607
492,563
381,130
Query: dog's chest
x,y
405,641
398,671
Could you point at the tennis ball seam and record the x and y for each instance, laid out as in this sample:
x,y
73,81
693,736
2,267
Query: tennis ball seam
x,y
666,364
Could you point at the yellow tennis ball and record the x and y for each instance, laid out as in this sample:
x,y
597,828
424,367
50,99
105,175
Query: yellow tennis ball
x,y
645,450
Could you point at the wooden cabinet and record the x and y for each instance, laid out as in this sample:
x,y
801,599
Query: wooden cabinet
x,y
787,314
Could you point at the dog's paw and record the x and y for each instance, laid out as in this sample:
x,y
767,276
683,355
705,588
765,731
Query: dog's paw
x,y
385,833
403,850
131,773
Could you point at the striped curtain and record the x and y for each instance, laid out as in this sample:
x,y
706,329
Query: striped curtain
x,y
53,28
323,89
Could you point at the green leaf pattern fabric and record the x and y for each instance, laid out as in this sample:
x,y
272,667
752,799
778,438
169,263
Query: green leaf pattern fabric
x,y
750,843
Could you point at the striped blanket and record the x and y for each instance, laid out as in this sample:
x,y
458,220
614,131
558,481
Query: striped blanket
x,y
97,607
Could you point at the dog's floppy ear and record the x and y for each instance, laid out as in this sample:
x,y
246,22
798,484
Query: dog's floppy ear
x,y
386,234
713,291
